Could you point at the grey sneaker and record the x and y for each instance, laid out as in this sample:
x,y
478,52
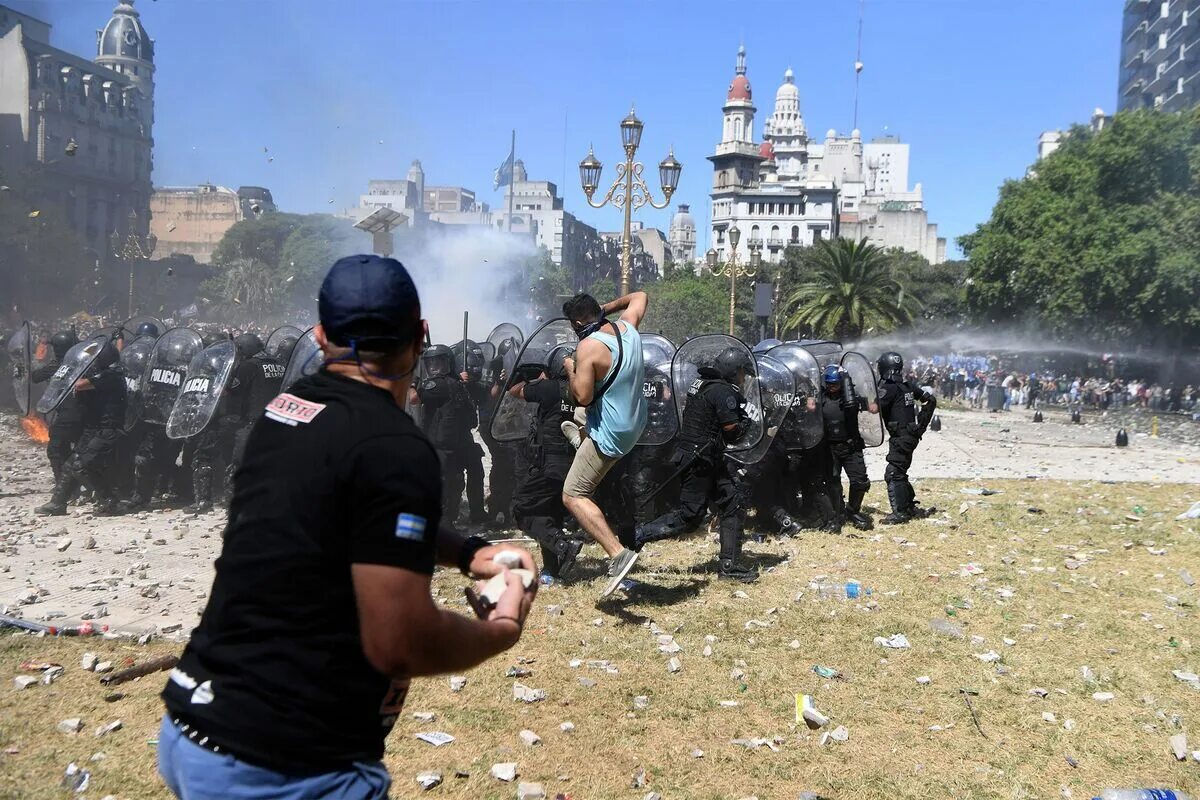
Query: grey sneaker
x,y
572,433
618,568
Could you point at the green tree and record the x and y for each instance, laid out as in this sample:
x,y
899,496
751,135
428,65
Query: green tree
x,y
261,239
1100,239
245,289
849,289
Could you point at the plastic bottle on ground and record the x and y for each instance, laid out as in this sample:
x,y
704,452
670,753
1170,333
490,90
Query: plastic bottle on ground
x,y
851,590
1141,794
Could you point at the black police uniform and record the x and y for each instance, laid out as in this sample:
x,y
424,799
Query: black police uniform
x,y
102,411
840,416
257,381
214,445
905,425
65,423
274,674
537,504
155,453
773,489
450,416
709,476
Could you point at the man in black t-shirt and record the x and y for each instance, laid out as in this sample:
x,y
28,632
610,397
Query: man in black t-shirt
x,y
321,611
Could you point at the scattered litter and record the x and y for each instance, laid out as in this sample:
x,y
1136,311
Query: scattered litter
x,y
24,681
1186,577
1191,513
457,683
71,725
1187,677
641,702
159,664
527,695
639,779
825,672
896,641
424,716
945,628
729,704
1103,697
673,665
838,734
1178,744
990,657
429,780
112,727
924,680
1038,691
506,771
76,779
806,712
1048,716
754,744
436,738
697,753
567,727
982,492
530,738
530,791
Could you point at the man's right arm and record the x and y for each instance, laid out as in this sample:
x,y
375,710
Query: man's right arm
x,y
632,307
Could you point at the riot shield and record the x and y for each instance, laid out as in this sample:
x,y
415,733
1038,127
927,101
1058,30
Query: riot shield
x,y
765,345
207,376
825,352
702,351
870,424
163,376
306,360
661,422
803,428
777,387
74,364
472,362
503,331
656,348
281,341
134,358
20,353
514,417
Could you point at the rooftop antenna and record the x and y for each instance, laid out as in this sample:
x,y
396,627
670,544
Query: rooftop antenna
x,y
858,64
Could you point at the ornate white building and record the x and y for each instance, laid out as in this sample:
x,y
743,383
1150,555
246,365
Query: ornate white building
x,y
681,237
790,190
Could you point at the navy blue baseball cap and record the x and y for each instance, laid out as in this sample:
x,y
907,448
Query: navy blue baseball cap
x,y
367,297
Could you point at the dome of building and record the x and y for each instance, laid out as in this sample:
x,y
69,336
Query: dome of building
x,y
124,36
682,219
788,90
767,150
739,89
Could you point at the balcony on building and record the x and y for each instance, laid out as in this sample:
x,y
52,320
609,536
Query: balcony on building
x,y
774,242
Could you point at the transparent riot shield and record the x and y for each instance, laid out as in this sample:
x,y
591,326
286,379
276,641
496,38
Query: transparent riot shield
x,y
506,330
281,342
202,389
765,345
777,387
866,390
135,356
514,417
825,352
803,428
164,374
74,364
702,351
20,354
656,348
306,360
661,421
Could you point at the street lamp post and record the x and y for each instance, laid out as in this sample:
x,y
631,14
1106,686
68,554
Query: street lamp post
x,y
134,249
732,269
629,191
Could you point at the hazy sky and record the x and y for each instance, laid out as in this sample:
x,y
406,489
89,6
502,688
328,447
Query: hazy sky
x,y
341,91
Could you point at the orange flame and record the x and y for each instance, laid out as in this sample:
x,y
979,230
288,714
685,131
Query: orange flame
x,y
35,428
40,353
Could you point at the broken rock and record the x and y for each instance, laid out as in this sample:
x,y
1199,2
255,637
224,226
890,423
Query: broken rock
x,y
71,725
530,738
506,771
429,780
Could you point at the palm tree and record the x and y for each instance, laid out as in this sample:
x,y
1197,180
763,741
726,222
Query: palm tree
x,y
245,287
849,289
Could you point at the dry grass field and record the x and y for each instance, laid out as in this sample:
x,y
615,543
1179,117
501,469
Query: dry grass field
x,y
1051,576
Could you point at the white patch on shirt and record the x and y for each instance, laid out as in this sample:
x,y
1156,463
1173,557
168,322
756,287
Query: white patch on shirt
x,y
411,527
183,679
291,410
203,694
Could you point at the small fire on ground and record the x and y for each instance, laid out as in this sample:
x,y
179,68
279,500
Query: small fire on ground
x,y
35,428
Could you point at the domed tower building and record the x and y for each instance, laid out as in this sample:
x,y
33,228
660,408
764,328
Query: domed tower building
x,y
681,237
786,131
124,46
735,164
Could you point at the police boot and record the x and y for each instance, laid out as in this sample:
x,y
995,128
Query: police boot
x,y
662,528
854,514
895,497
202,484
730,566
143,489
63,489
566,550
787,525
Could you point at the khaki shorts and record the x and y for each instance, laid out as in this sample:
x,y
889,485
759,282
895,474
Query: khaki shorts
x,y
587,470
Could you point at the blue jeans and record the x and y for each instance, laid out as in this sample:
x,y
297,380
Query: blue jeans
x,y
194,773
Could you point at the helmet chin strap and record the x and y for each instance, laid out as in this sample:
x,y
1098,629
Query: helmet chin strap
x,y
356,357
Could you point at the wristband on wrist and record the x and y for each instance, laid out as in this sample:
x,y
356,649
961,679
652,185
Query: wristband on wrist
x,y
471,545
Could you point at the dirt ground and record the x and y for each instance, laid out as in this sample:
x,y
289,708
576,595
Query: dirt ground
x,y
1084,566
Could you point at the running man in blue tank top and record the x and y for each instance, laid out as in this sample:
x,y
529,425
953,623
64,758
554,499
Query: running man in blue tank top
x,y
616,411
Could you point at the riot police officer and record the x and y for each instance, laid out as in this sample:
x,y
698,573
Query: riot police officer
x,y
537,503
905,425
484,387
213,446
101,397
715,415
66,422
450,416
256,381
774,490
839,410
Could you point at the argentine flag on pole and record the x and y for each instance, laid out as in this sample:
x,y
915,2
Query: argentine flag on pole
x,y
504,173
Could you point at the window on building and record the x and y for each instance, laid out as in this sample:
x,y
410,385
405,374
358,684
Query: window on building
x,y
795,234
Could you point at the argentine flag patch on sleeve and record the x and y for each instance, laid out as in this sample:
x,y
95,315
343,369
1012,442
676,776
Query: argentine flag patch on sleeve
x,y
410,526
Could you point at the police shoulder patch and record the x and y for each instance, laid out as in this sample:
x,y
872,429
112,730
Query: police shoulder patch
x,y
411,527
731,402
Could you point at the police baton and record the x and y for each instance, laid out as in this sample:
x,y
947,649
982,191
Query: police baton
x,y
642,503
